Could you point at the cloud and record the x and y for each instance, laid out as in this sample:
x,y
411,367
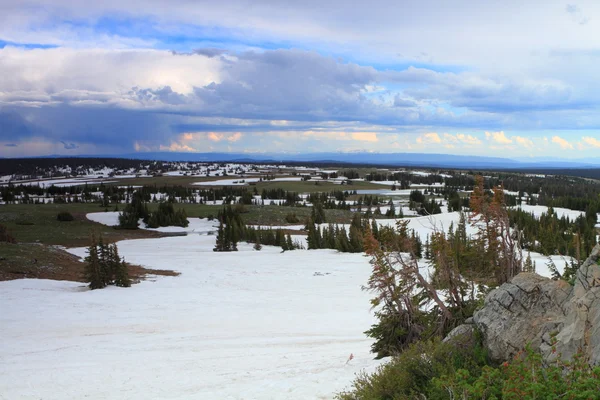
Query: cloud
x,y
10,145
235,137
591,141
215,137
429,138
562,143
523,141
365,136
450,138
210,52
576,14
217,69
468,139
69,146
174,146
498,137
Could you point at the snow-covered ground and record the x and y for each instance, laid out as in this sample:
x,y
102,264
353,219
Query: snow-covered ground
x,y
64,182
240,325
244,325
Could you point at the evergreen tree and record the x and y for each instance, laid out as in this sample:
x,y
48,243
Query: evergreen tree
x,y
318,213
290,244
221,244
528,265
104,266
119,267
93,269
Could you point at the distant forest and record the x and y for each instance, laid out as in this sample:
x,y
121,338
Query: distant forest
x,y
31,166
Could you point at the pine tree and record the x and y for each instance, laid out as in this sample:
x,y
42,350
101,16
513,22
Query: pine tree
x,y
318,213
553,270
220,245
356,239
375,229
528,266
93,269
119,267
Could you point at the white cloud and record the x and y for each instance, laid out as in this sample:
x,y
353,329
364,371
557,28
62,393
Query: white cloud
x,y
429,138
523,141
365,136
498,137
590,141
468,139
562,143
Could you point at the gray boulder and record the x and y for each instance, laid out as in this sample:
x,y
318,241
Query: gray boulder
x,y
531,309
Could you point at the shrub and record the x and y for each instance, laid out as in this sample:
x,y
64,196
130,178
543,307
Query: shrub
x,y
291,218
411,374
460,370
5,236
526,377
64,216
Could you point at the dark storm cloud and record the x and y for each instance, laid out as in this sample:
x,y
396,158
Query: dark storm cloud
x,y
210,52
13,126
69,146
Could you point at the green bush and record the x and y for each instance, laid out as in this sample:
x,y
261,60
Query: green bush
x,y
526,377
291,218
5,236
435,370
65,216
411,374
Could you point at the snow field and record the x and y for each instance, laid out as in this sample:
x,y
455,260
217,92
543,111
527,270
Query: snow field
x,y
240,325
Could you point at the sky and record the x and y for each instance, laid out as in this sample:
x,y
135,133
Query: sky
x,y
508,79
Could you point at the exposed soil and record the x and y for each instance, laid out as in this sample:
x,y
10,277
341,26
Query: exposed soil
x,y
32,260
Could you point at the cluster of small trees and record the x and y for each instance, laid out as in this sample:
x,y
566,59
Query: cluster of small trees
x,y
134,211
402,291
104,266
233,230
230,229
165,215
352,240
550,234
418,202
270,237
334,200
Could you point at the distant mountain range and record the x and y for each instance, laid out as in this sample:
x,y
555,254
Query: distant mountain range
x,y
387,159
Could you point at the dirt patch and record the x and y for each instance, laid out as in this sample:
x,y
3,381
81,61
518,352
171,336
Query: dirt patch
x,y
33,260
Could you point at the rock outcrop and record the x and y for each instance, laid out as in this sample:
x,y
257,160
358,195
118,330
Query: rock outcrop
x,y
531,309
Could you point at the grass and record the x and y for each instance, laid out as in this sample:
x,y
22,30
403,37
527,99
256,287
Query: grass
x,y
38,253
38,224
261,215
39,235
